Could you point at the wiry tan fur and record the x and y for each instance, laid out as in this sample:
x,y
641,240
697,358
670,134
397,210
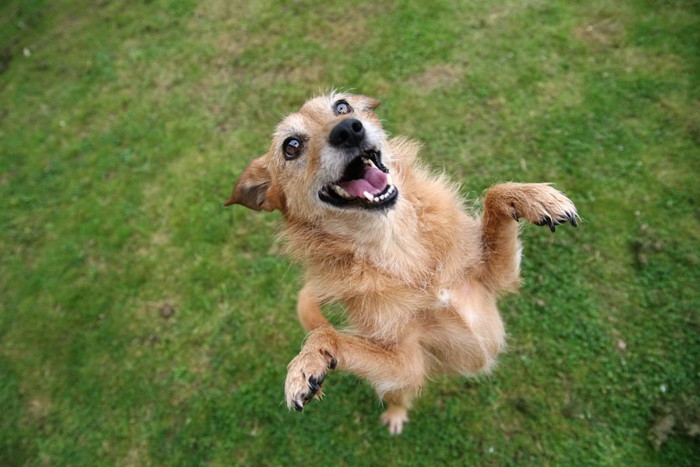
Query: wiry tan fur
x,y
419,281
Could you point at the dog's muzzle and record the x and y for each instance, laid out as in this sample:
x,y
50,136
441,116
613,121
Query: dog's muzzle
x,y
366,182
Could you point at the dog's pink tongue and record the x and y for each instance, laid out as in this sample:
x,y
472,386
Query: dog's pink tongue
x,y
373,181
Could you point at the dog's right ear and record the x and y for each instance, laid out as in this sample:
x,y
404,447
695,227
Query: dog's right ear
x,y
370,103
252,189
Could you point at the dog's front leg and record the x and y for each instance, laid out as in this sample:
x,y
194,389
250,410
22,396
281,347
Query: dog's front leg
x,y
309,309
396,371
504,205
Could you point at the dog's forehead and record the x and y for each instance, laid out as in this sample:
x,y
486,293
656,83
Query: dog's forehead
x,y
293,124
314,111
320,105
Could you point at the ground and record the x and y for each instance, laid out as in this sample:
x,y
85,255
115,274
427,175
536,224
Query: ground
x,y
143,323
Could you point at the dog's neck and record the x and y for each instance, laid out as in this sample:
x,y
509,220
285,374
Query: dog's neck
x,y
423,239
390,241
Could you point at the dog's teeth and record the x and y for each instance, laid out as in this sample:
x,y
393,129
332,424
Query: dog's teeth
x,y
368,196
338,189
389,181
369,162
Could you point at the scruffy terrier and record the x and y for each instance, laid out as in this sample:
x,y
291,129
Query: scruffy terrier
x,y
392,243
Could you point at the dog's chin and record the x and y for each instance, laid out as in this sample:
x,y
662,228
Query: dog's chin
x,y
365,184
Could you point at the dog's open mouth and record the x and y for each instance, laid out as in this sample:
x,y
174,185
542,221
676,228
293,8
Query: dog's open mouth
x,y
366,183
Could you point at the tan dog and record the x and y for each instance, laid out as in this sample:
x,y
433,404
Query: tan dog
x,y
392,243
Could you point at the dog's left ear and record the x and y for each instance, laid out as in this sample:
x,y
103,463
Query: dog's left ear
x,y
252,189
370,103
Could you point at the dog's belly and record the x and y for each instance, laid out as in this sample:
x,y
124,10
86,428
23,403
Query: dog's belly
x,y
465,332
387,319
460,328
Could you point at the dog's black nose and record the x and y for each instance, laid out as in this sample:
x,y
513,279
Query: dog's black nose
x,y
348,133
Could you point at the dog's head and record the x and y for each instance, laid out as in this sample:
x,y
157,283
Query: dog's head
x,y
330,155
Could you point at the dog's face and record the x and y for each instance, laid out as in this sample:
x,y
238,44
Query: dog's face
x,y
331,155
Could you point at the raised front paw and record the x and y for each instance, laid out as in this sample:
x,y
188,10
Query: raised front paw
x,y
305,375
542,205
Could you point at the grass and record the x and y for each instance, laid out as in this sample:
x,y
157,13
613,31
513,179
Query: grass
x,y
141,323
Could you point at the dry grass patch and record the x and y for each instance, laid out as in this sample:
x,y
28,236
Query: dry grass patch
x,y
442,76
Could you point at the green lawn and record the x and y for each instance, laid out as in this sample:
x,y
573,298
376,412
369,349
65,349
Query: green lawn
x,y
143,323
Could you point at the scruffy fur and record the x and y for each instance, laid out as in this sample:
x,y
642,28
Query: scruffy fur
x,y
419,279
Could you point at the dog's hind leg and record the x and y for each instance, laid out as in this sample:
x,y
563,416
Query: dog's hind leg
x,y
309,310
396,413
504,205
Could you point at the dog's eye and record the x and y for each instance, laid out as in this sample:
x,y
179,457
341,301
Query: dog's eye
x,y
292,148
342,107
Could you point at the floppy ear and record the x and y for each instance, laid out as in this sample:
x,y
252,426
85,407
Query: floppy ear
x,y
252,189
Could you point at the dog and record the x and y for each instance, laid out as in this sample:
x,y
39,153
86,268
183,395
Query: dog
x,y
377,232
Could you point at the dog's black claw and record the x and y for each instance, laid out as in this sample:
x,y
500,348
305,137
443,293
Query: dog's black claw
x,y
548,221
572,219
551,223
315,384
333,362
